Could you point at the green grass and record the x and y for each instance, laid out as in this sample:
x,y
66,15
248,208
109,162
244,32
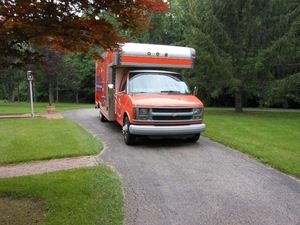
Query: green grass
x,y
90,196
38,139
39,107
272,137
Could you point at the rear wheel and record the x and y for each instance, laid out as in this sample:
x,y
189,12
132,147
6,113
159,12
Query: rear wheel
x,y
194,138
129,139
102,118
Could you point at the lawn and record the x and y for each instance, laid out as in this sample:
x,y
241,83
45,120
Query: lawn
x,y
89,196
39,107
38,139
271,137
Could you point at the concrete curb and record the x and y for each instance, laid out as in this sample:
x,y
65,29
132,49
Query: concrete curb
x,y
40,167
23,116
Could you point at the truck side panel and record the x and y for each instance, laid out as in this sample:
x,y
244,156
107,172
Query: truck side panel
x,y
101,84
104,76
149,61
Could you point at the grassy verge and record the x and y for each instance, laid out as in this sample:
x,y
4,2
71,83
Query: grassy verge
x,y
272,137
37,139
87,196
39,107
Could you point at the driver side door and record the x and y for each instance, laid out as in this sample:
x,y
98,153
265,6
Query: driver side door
x,y
120,100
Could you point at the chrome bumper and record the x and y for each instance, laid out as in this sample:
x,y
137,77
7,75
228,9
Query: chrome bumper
x,y
167,130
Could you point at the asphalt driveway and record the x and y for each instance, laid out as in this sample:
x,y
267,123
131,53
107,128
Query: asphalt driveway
x,y
171,182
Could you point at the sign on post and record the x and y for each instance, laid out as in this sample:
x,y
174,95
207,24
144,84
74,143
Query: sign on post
x,y
30,79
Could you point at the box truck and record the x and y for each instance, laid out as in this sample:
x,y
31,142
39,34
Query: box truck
x,y
138,87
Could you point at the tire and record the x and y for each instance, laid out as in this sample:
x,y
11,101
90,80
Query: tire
x,y
129,139
193,139
102,118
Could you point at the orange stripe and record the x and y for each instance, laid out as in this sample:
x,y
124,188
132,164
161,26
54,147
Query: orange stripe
x,y
151,60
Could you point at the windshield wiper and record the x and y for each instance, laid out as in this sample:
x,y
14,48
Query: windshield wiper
x,y
171,92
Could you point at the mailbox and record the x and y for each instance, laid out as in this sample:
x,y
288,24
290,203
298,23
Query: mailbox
x,y
29,75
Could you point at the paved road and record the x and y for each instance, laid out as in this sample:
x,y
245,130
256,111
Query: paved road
x,y
170,182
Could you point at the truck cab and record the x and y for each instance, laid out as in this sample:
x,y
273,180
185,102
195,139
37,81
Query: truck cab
x,y
147,101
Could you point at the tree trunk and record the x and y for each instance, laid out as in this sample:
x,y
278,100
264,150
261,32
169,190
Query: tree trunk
x,y
13,95
77,93
3,91
17,94
238,101
11,91
56,91
34,91
50,93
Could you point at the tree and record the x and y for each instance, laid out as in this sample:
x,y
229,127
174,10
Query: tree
x,y
211,71
50,69
162,30
281,61
80,76
10,80
72,26
231,37
66,26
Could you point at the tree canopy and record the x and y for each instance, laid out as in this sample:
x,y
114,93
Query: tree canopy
x,y
72,26
68,26
242,46
246,50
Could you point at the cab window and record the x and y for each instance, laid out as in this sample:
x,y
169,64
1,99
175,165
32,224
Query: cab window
x,y
124,86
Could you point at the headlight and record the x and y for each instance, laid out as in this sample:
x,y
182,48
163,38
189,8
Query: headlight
x,y
197,113
142,113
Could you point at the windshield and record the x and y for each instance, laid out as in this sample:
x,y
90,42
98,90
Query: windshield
x,y
157,83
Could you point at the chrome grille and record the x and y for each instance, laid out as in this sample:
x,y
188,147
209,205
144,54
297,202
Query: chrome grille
x,y
174,110
172,114
171,117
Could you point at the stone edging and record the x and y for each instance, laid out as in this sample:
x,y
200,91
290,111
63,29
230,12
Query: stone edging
x,y
32,168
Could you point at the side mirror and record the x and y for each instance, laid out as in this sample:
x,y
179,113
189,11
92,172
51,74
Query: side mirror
x,y
195,91
110,86
111,89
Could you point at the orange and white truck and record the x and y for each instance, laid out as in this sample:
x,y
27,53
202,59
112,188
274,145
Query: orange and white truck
x,y
136,86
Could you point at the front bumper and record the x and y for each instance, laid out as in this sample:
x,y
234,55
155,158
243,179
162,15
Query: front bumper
x,y
167,130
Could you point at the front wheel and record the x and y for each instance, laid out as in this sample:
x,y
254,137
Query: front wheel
x,y
129,139
193,139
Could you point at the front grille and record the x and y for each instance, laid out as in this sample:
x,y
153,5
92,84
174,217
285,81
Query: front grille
x,y
172,114
173,110
171,117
